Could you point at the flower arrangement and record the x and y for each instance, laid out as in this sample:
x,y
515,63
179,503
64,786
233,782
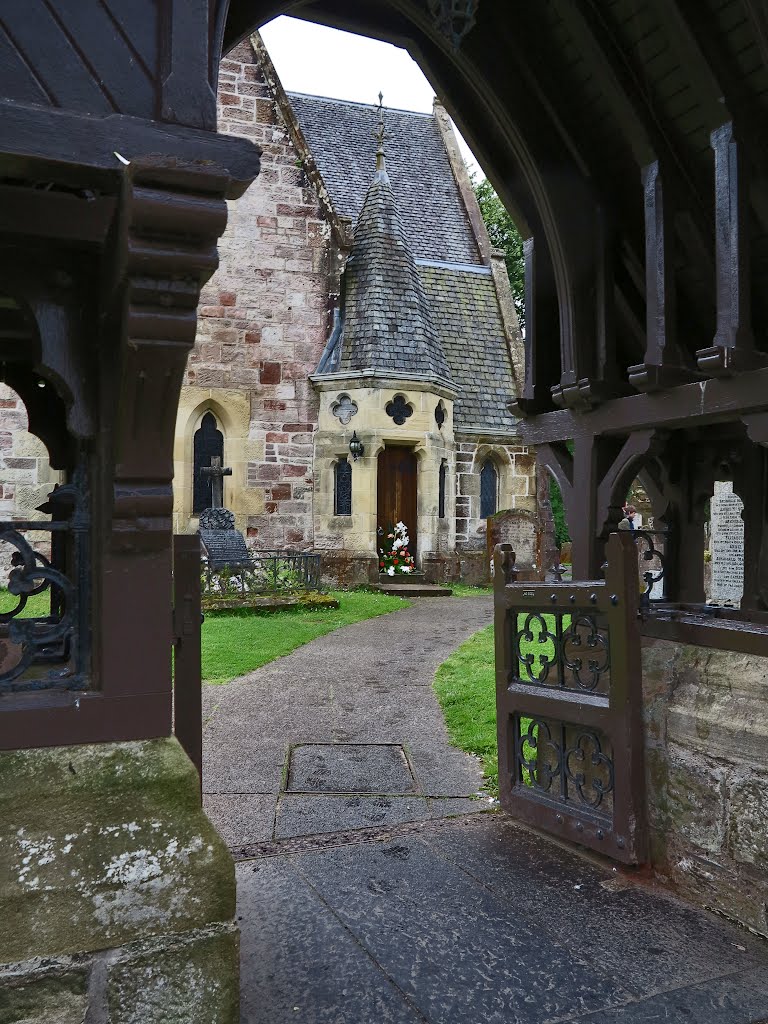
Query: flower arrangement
x,y
394,556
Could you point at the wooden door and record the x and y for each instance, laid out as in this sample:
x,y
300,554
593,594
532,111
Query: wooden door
x,y
397,491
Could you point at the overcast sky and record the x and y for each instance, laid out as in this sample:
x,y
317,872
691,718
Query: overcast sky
x,y
326,62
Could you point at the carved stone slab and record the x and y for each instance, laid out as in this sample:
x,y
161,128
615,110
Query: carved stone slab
x,y
519,528
223,544
727,545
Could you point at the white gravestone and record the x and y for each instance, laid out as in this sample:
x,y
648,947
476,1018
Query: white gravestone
x,y
727,545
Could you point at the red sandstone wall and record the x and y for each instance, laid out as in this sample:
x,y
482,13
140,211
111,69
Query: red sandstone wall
x,y
263,316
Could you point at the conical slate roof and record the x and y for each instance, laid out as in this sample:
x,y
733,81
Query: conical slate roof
x,y
385,320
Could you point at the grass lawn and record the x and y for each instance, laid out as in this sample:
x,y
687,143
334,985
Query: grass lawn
x,y
236,643
466,688
37,605
462,590
465,685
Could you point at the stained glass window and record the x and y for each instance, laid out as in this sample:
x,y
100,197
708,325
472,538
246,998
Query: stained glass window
x,y
342,481
441,495
208,442
489,487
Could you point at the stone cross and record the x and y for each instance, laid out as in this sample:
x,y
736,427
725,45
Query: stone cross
x,y
216,472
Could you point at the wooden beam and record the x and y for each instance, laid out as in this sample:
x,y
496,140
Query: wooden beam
x,y
688,405
45,144
733,347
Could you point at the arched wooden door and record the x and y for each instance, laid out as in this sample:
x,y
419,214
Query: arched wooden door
x,y
397,490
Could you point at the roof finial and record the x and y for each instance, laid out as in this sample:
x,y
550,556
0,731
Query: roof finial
x,y
380,135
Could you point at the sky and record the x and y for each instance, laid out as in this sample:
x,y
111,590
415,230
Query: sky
x,y
326,62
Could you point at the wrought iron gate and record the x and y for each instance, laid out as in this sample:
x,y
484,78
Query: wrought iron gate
x,y
569,703
187,671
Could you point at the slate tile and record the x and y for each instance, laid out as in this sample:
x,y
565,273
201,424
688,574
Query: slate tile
x,y
448,943
299,964
638,933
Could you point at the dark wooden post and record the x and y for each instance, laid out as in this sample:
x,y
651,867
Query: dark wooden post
x,y
663,365
733,345
187,668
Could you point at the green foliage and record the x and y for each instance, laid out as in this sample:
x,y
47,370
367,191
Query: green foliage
x,y
558,513
466,689
505,236
239,642
465,685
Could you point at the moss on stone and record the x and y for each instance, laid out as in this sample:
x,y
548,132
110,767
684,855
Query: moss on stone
x,y
103,844
46,999
191,981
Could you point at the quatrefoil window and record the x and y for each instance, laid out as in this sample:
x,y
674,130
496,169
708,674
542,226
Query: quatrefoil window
x,y
399,409
344,409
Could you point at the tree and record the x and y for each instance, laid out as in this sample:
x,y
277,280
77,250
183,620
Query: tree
x,y
505,236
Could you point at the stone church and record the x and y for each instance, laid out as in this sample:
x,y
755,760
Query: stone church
x,y
358,297
356,350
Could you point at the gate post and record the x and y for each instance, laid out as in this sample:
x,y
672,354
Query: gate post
x,y
187,667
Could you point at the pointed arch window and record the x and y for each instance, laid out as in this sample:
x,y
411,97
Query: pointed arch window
x,y
342,488
441,492
208,442
489,489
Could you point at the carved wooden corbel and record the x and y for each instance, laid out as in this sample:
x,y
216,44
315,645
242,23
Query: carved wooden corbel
x,y
171,216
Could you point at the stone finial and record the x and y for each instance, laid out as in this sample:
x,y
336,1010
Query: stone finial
x,y
380,135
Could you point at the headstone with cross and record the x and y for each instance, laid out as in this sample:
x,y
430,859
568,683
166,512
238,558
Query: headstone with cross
x,y
216,472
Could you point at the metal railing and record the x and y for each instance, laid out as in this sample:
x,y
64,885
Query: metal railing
x,y
264,573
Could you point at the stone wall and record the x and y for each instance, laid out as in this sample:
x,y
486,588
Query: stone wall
x,y
706,715
26,477
117,898
264,315
516,468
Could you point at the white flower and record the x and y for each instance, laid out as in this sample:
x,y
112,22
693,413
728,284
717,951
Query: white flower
x,y
396,545
391,571
407,568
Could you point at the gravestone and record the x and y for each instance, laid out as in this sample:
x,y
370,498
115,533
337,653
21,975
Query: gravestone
x,y
223,544
727,545
519,528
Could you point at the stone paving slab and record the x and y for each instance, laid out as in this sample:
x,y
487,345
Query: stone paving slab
x,y
368,683
481,921
349,768
300,815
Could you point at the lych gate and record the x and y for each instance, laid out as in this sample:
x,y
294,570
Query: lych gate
x,y
631,146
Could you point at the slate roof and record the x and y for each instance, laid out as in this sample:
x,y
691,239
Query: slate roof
x,y
385,323
466,314
341,137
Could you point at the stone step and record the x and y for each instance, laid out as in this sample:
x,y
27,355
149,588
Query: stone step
x,y
414,588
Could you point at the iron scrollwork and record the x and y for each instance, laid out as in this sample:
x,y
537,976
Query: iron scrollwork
x,y
538,739
47,651
653,576
583,636
552,759
528,661
597,789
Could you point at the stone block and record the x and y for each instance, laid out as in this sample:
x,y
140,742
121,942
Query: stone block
x,y
686,796
748,820
193,981
718,705
42,996
102,844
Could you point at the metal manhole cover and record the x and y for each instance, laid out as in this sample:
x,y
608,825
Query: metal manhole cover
x,y
349,768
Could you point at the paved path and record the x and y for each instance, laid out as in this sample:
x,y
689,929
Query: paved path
x,y
365,684
360,902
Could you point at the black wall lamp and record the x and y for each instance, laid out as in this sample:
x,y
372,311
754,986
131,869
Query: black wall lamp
x,y
356,448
